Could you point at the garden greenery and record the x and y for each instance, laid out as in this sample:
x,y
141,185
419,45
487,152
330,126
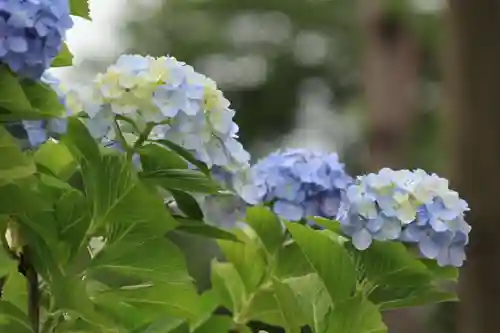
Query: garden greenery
x,y
94,177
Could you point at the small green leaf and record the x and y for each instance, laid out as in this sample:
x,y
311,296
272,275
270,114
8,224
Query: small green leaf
x,y
43,99
289,308
247,258
291,262
216,324
64,58
329,259
445,273
229,287
263,307
187,204
165,325
267,226
81,144
14,290
331,225
56,158
174,299
199,228
150,259
13,320
186,155
73,219
311,295
13,164
394,277
356,315
155,157
181,179
21,197
13,100
418,297
80,8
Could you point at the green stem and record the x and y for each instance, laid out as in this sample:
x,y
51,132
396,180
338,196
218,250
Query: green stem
x,y
122,140
144,135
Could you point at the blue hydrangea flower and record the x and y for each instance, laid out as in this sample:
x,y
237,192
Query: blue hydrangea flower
x,y
297,182
32,33
185,107
410,206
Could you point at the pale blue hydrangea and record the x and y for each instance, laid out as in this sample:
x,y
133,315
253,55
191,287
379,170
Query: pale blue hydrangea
x,y
185,106
297,183
32,33
410,206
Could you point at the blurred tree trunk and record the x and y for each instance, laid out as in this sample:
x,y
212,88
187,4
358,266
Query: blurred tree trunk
x,y
390,60
390,77
474,103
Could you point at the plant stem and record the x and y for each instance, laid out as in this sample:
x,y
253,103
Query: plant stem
x,y
144,135
28,270
122,140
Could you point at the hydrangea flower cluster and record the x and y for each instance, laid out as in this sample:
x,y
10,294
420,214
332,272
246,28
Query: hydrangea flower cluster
x,y
298,183
32,32
184,106
414,207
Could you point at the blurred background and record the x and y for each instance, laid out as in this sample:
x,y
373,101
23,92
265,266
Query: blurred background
x,y
397,83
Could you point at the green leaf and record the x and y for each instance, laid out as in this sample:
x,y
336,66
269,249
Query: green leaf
x,y
13,320
209,302
43,99
185,154
356,315
328,224
177,299
445,273
263,307
247,258
155,157
73,219
416,297
13,164
311,295
216,324
289,308
329,259
14,290
165,325
395,278
13,101
187,204
56,158
200,228
157,260
291,262
123,203
181,179
120,201
267,226
64,58
80,8
389,260
81,144
229,287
